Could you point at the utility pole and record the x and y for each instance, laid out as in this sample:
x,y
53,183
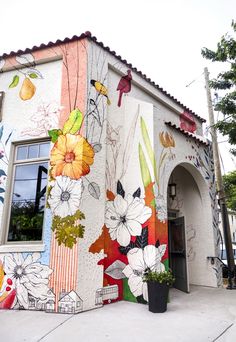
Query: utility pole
x,y
220,186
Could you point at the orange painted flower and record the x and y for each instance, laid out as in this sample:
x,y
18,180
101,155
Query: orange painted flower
x,y
166,139
71,156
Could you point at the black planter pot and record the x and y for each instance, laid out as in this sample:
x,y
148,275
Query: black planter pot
x,y
157,296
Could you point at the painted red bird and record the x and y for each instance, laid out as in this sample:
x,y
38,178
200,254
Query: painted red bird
x,y
124,86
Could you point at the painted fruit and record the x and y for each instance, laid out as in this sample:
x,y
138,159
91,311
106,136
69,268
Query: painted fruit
x,y
27,89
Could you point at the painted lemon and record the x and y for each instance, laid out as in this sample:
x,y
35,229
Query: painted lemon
x,y
27,89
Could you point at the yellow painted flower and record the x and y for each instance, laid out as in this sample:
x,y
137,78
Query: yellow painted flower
x,y
166,139
71,156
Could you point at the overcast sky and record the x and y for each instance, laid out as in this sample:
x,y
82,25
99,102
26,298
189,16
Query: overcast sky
x,y
162,38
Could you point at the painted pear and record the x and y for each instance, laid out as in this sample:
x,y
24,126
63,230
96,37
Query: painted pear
x,y
27,89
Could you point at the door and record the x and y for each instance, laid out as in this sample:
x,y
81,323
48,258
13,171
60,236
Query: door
x,y
177,253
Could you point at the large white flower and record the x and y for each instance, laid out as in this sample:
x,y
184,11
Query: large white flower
x,y
65,196
29,277
140,260
125,216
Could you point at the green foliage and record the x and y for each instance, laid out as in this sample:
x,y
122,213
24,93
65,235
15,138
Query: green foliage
x,y
148,146
25,222
68,229
14,82
230,189
160,277
226,52
54,134
74,122
146,177
33,75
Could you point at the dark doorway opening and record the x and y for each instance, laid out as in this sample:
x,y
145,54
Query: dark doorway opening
x,y
177,253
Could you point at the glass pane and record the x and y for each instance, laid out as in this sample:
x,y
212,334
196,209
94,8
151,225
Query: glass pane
x,y
28,202
33,151
44,149
21,152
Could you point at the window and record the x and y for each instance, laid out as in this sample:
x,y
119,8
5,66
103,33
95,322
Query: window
x,y
28,195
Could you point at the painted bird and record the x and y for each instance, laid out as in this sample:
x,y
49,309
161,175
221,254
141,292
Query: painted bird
x,y
124,86
101,89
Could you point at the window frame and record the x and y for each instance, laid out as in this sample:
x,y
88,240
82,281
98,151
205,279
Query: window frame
x,y
21,246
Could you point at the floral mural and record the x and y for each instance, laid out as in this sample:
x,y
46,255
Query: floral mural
x,y
131,236
23,278
106,221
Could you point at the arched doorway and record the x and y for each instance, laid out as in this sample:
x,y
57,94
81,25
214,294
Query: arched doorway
x,y
191,238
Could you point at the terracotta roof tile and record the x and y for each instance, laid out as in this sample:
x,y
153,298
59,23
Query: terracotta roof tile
x,y
88,35
195,137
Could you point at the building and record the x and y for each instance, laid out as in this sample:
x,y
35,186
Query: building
x,y
101,170
70,302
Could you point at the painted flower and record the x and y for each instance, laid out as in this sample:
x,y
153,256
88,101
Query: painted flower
x,y
113,135
47,116
28,276
71,156
125,216
141,260
65,196
166,139
161,208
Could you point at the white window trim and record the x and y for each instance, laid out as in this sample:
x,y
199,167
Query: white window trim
x,y
18,246
10,248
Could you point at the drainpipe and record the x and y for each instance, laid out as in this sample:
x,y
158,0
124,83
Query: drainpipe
x,y
220,187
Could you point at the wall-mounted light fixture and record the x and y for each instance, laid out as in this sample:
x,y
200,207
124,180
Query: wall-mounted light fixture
x,y
172,190
1,103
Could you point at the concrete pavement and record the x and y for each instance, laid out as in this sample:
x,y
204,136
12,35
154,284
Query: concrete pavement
x,y
204,315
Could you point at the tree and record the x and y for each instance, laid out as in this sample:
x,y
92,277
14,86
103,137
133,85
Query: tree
x,y
226,52
230,189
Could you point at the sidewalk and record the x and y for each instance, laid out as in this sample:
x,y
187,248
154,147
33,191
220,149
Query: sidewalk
x,y
206,314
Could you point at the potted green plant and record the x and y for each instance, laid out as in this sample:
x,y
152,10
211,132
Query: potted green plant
x,y
158,289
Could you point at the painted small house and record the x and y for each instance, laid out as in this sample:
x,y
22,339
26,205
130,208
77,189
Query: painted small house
x,y
103,174
70,303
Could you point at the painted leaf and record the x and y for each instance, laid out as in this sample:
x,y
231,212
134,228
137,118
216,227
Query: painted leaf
x,y
146,177
34,73
25,58
2,173
115,270
2,190
148,146
54,134
120,190
97,147
2,63
1,199
142,240
1,132
94,190
162,159
8,138
125,250
98,245
141,300
161,250
14,82
129,143
73,123
137,193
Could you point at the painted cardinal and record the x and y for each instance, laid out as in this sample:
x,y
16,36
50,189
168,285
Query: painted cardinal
x,y
124,86
101,89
